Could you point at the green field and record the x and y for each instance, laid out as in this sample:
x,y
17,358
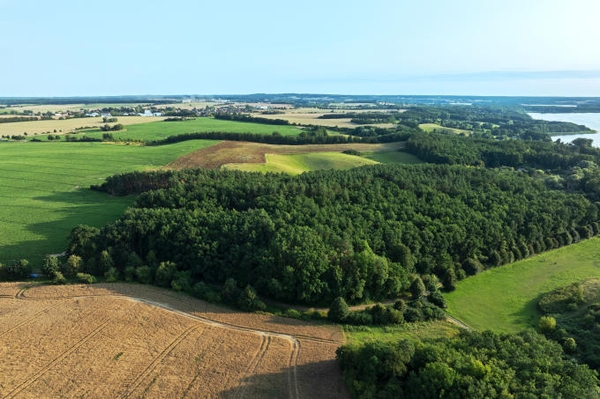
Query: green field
x,y
44,190
411,331
430,127
504,299
161,130
393,157
298,163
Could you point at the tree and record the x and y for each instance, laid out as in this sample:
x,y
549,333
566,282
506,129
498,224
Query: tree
x,y
51,265
417,288
547,324
339,310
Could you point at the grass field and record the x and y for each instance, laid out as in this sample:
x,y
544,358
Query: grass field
x,y
296,164
44,190
504,299
388,157
161,130
411,331
429,127
133,341
66,126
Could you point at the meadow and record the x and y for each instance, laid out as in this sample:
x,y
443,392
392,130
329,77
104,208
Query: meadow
x,y
299,163
44,190
504,299
161,130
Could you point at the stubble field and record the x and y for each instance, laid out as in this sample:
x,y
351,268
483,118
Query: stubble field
x,y
121,340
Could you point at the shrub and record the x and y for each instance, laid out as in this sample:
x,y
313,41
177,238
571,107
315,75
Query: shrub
x,y
338,311
59,278
547,324
112,275
86,278
144,274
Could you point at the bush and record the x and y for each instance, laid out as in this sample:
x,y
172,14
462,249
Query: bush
x,y
547,324
18,270
144,274
112,275
59,278
338,311
86,278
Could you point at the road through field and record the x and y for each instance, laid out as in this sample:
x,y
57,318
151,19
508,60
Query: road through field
x,y
124,340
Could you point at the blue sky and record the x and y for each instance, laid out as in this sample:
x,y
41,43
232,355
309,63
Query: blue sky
x,y
463,47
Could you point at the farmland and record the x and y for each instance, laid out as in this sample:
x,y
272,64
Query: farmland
x,y
253,156
504,299
139,341
158,131
68,125
44,190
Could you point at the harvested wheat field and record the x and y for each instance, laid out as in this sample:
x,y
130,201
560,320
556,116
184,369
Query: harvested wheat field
x,y
233,152
135,341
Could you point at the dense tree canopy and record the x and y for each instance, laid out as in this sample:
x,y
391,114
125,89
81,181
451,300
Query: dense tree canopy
x,y
472,365
355,234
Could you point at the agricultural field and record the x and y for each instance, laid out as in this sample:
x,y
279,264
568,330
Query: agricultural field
x,y
310,116
56,126
287,158
161,130
125,340
44,190
504,299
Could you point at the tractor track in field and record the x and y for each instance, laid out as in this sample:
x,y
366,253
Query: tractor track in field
x,y
266,338
35,376
157,360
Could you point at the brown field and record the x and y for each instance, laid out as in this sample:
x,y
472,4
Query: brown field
x,y
230,152
124,340
67,125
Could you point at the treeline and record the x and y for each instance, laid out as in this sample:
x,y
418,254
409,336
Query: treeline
x,y
573,167
11,119
238,117
358,234
472,365
363,118
499,122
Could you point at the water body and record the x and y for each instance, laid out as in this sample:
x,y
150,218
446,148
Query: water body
x,y
590,120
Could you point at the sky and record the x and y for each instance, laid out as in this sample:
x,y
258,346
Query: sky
x,y
430,47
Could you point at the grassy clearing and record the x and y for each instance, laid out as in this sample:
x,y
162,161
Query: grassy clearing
x,y
161,130
504,299
299,163
44,190
429,127
411,331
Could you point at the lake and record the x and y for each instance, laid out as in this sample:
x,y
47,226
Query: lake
x,y
590,120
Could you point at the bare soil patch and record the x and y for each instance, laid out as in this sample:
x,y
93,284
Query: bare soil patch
x,y
124,340
229,152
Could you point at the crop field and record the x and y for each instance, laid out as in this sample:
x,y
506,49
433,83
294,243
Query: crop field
x,y
504,299
296,164
56,126
253,156
44,190
121,340
310,116
161,130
